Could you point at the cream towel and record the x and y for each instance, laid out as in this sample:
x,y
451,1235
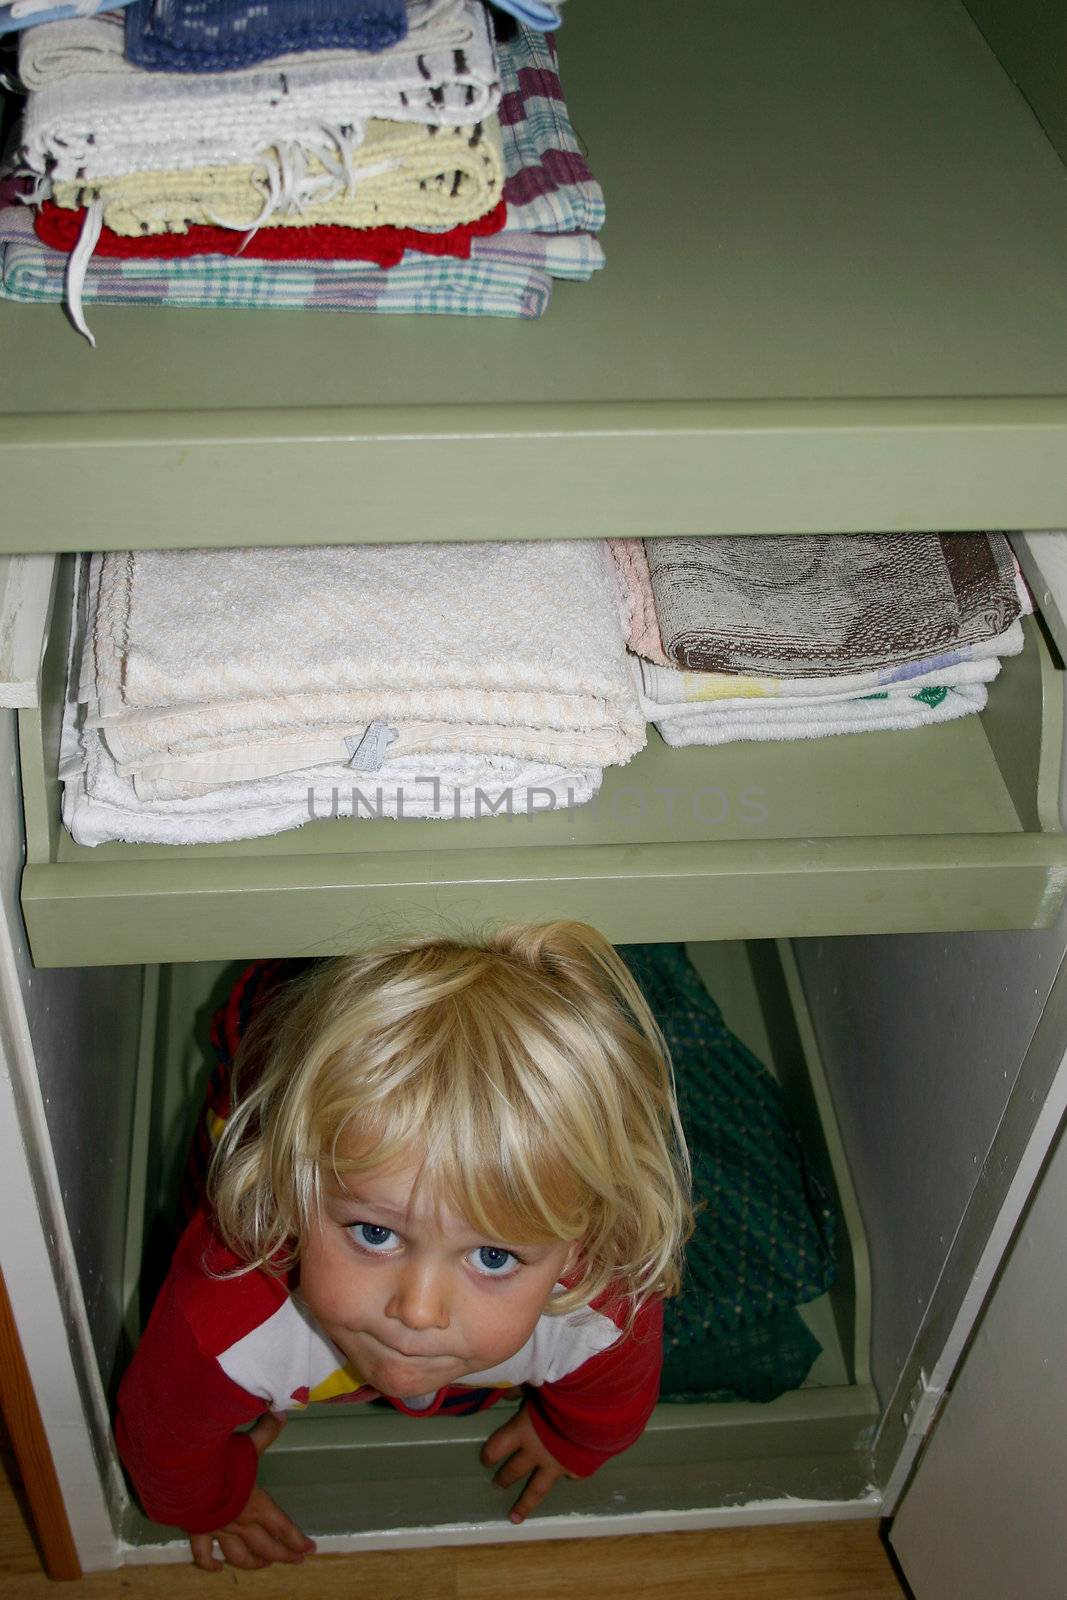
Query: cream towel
x,y
402,174
81,128
516,648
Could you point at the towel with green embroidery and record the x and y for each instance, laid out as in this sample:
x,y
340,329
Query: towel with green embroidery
x,y
758,721
764,1239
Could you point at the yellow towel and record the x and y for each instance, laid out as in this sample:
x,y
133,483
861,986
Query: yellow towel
x,y
402,174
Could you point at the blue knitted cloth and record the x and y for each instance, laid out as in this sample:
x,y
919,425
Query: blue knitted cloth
x,y
221,35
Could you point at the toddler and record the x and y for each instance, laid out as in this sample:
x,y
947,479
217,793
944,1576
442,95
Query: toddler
x,y
451,1171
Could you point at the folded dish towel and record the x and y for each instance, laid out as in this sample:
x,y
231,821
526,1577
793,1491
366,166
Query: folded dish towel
x,y
670,691
49,54
878,713
402,175
815,606
549,187
317,241
508,275
511,649
223,35
28,15
89,126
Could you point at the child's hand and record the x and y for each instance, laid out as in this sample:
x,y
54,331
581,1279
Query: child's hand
x,y
518,1445
262,1533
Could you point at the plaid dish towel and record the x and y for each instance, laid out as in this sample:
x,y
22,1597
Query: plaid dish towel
x,y
549,187
224,35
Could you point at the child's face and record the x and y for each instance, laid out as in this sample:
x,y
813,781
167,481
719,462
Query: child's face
x,y
411,1293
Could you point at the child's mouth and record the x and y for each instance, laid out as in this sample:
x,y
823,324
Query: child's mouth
x,y
415,1355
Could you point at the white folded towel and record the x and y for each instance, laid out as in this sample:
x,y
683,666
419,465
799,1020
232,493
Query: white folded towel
x,y
80,127
759,721
99,806
211,666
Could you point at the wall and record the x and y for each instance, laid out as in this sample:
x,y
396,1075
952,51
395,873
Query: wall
x,y
1029,38
984,1515
82,1027
923,1037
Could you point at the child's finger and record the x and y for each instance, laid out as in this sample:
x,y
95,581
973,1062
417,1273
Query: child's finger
x,y
263,1544
283,1528
265,1431
499,1444
520,1465
535,1491
202,1546
238,1554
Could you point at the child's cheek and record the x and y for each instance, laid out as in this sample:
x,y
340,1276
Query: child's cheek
x,y
331,1282
504,1327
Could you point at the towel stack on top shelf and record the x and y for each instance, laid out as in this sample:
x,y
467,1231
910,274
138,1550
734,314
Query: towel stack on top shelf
x,y
802,637
394,681
386,155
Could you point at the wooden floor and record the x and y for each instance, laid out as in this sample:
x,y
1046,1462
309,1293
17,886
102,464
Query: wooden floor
x,y
816,1561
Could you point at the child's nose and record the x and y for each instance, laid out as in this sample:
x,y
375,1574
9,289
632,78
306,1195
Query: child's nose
x,y
420,1298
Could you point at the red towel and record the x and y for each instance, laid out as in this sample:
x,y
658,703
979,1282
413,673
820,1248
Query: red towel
x,y
318,242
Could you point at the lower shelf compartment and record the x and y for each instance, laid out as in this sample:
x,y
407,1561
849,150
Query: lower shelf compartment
x,y
953,827
370,1475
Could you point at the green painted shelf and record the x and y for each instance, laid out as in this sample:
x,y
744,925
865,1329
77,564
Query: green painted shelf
x,y
944,828
836,298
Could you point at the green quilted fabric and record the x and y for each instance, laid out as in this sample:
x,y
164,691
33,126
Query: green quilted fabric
x,y
764,1240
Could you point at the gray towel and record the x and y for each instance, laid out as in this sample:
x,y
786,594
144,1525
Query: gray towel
x,y
808,606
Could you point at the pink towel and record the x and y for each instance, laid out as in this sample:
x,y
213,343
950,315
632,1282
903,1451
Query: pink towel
x,y
638,603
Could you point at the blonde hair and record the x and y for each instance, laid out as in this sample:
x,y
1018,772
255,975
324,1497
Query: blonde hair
x,y
526,1070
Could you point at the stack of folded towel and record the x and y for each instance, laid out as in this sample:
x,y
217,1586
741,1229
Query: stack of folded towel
x,y
379,155
802,637
402,681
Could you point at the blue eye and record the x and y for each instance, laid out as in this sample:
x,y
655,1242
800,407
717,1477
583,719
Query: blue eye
x,y
494,1261
372,1236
